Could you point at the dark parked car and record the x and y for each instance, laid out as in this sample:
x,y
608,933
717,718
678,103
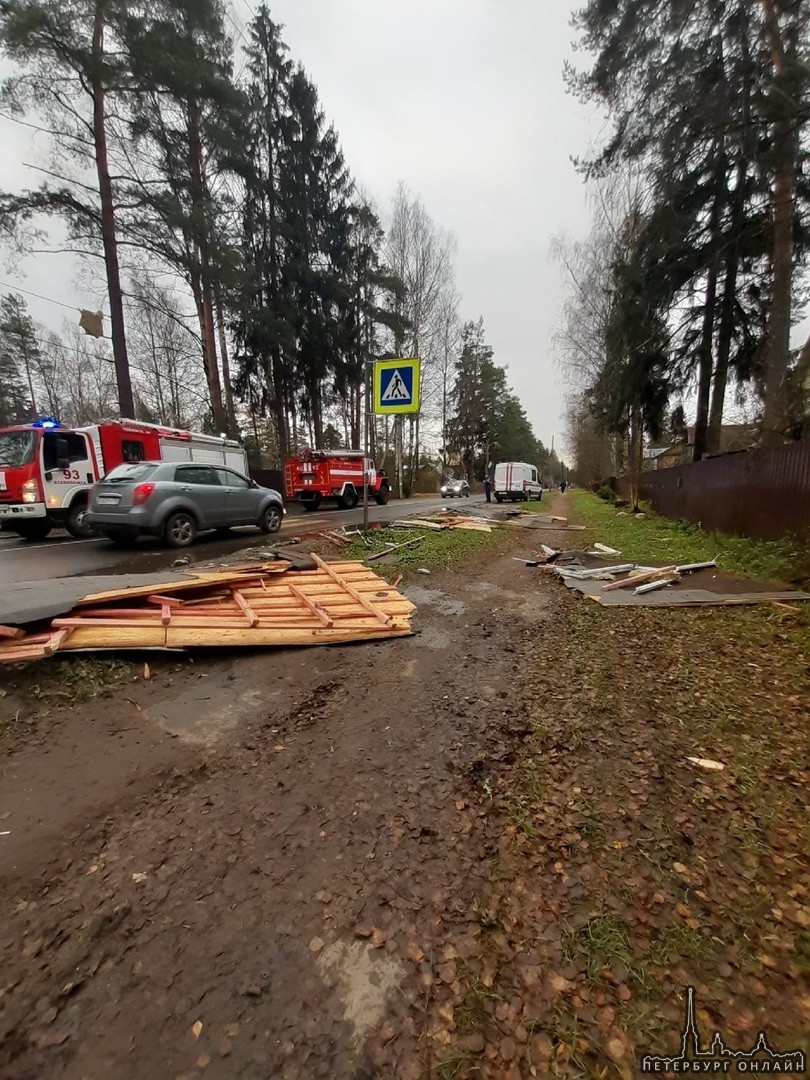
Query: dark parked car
x,y
454,488
177,501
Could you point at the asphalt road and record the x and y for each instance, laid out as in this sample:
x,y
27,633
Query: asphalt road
x,y
61,556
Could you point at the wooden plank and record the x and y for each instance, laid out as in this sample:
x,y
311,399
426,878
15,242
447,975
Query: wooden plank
x,y
116,637
413,524
638,579
314,608
56,641
21,653
322,635
247,610
12,632
172,601
359,597
231,576
134,613
394,547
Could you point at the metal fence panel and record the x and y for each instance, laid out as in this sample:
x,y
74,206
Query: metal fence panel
x,y
762,494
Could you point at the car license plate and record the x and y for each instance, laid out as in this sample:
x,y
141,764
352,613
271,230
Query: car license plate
x,y
2,481
108,498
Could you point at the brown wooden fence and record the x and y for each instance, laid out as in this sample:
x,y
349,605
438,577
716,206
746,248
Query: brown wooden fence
x,y
760,493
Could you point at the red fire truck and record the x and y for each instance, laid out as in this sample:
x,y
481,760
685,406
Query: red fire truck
x,y
46,470
317,476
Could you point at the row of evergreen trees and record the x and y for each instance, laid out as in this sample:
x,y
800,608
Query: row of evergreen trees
x,y
695,263
237,186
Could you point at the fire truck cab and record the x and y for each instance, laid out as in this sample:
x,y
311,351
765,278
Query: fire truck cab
x,y
317,476
46,471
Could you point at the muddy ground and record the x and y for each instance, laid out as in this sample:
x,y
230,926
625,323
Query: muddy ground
x,y
481,851
247,867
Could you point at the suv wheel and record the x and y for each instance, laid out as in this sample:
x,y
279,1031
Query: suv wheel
x,y
270,521
180,530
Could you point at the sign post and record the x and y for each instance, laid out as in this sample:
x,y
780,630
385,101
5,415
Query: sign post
x,y
392,387
366,447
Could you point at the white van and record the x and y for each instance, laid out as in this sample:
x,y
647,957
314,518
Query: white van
x,y
516,480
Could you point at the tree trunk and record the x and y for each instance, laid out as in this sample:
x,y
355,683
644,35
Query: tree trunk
x,y
126,403
636,452
713,441
201,238
230,411
316,420
27,362
776,419
705,366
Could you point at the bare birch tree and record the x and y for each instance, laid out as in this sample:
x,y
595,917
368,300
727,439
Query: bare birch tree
x,y
420,254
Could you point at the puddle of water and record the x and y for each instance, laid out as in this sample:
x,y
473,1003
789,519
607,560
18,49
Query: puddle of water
x,y
435,598
364,978
206,713
431,638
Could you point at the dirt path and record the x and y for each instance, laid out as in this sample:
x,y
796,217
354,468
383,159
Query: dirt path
x,y
249,867
479,852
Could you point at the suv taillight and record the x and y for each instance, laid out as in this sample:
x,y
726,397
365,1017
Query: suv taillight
x,y
142,493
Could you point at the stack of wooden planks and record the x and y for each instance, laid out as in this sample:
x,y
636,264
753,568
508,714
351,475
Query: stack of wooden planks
x,y
444,522
244,606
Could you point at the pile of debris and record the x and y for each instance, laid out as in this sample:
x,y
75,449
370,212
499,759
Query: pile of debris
x,y
248,606
442,522
614,584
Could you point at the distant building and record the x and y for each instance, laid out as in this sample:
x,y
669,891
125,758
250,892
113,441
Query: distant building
x,y
733,438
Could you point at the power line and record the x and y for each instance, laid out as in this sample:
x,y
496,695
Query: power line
x,y
39,296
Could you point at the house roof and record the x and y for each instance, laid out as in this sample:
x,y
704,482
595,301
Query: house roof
x,y
732,437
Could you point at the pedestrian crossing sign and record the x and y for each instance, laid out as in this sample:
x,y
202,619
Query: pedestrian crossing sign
x,y
396,386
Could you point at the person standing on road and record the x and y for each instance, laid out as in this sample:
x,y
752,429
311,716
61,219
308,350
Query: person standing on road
x,y
488,487
563,486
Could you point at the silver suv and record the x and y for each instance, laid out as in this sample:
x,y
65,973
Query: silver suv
x,y
178,501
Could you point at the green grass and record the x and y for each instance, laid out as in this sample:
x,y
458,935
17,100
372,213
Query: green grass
x,y
437,550
655,539
32,690
601,942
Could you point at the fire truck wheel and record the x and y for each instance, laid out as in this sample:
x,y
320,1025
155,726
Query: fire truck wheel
x,y
311,504
381,498
270,520
348,500
76,524
33,530
180,530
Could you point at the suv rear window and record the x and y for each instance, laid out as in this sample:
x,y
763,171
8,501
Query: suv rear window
x,y
138,471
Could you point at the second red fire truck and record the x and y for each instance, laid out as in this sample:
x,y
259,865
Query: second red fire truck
x,y
318,476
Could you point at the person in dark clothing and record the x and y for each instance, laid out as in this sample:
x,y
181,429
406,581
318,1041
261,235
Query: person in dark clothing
x,y
563,486
488,487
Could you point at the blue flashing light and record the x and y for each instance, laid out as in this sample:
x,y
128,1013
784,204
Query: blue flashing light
x,y
46,422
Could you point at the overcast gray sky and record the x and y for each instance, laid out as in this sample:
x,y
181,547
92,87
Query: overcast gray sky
x,y
464,101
